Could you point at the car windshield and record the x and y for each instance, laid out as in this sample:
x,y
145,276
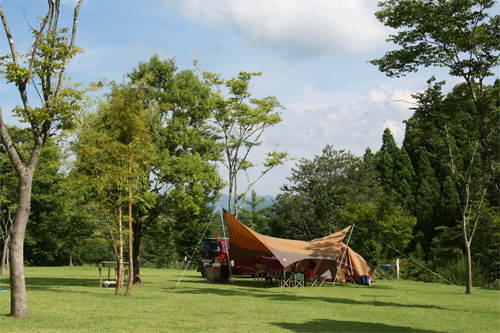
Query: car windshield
x,y
210,245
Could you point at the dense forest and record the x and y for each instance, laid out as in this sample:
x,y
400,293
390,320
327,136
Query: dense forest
x,y
407,201
404,200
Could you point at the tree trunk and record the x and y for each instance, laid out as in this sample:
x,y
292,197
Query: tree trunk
x,y
130,246
71,247
19,302
4,254
120,251
136,246
469,268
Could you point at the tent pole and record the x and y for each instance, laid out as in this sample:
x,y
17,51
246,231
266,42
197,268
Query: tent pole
x,y
343,254
227,244
195,250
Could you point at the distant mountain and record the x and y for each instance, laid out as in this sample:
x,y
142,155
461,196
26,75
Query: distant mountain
x,y
268,201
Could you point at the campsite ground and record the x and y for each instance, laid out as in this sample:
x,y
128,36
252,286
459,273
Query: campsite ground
x,y
68,299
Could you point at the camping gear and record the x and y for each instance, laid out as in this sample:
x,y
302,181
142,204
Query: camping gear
x,y
244,242
352,267
329,254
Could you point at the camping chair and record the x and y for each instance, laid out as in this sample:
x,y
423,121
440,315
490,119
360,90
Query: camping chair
x,y
310,281
299,279
318,281
259,276
286,280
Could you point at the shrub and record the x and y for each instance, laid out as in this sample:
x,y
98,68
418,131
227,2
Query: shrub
x,y
410,270
456,272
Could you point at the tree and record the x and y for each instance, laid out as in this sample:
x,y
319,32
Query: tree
x,y
383,219
241,121
456,142
46,62
461,36
98,176
8,200
427,202
128,123
256,217
116,150
183,179
320,188
47,229
396,171
49,236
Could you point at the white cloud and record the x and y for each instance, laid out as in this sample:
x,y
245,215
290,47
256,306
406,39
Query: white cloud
x,y
403,99
294,27
352,126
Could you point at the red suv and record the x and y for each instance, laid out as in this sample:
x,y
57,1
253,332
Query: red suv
x,y
212,248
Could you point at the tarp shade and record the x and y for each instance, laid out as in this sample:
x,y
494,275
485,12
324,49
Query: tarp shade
x,y
244,242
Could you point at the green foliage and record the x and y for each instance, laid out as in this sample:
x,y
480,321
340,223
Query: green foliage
x,y
92,251
456,272
462,36
184,179
50,236
427,201
158,245
396,171
319,189
385,227
256,218
186,143
496,285
320,185
457,135
62,102
241,121
409,270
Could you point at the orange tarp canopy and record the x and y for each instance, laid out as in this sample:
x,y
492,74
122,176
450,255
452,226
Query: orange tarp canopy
x,y
244,243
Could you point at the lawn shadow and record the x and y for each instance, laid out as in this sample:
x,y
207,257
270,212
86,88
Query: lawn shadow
x,y
55,283
49,283
286,295
329,325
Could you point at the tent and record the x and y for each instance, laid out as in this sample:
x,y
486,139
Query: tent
x,y
353,266
244,243
329,253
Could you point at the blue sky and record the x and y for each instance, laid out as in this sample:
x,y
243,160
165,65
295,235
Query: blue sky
x,y
313,55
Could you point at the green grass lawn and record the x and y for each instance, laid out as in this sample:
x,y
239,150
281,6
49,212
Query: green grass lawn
x,y
69,299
